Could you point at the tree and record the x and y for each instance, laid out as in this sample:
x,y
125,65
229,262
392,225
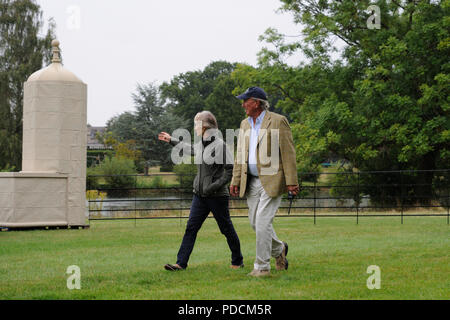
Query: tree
x,y
121,126
22,52
224,105
383,104
144,123
187,93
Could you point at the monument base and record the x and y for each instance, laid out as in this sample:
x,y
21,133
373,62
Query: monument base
x,y
37,200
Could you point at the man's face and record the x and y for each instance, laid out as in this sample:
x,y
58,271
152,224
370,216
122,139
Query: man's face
x,y
251,107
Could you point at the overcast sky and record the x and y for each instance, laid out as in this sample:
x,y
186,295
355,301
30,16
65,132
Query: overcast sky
x,y
114,44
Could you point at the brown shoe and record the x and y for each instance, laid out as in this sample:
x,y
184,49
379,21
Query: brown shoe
x,y
281,261
237,267
259,273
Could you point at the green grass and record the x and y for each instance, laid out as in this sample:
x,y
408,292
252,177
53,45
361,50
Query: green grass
x,y
124,260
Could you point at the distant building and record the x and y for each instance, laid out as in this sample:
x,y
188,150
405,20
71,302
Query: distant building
x,y
92,141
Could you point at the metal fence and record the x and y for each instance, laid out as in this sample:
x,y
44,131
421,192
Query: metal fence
x,y
400,194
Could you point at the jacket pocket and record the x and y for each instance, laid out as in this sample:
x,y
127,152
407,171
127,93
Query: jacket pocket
x,y
207,181
195,184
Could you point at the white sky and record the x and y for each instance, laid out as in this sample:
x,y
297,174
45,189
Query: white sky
x,y
112,45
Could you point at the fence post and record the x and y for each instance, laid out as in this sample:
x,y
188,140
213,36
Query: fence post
x,y
401,193
135,200
448,203
89,200
315,199
357,201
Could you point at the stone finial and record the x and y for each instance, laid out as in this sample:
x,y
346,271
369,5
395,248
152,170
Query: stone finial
x,y
56,56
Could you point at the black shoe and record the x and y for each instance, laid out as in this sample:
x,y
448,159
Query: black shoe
x,y
173,267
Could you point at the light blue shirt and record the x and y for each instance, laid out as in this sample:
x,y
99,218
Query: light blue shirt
x,y
254,132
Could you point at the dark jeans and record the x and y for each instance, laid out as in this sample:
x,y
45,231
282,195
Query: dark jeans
x,y
200,208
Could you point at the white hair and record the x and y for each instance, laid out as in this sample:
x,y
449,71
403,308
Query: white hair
x,y
264,104
207,118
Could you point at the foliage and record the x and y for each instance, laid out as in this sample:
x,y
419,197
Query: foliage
x,y
127,150
383,103
98,196
143,125
209,89
346,184
224,105
7,168
185,174
22,51
155,182
94,157
115,172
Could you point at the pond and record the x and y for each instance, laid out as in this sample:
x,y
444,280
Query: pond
x,y
176,204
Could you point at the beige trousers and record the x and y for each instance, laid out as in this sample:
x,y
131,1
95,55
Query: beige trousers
x,y
261,212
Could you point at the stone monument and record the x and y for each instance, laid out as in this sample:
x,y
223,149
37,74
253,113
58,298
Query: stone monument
x,y
51,188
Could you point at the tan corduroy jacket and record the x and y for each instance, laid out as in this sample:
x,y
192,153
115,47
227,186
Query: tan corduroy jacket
x,y
275,155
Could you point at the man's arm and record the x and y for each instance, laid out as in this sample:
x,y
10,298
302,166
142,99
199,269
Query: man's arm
x,y
236,180
237,168
287,150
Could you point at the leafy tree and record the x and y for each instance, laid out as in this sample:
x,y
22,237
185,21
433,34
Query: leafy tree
x,y
383,103
187,93
224,105
121,126
22,52
143,125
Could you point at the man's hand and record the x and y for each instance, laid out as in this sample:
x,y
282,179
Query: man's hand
x,y
293,189
234,191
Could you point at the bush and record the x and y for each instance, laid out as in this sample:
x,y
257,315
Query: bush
x,y
166,167
115,173
95,156
158,182
185,174
8,168
153,182
345,185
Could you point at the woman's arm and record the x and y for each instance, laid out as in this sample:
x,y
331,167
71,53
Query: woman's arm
x,y
164,136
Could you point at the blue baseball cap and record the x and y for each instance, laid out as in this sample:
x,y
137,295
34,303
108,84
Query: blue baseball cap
x,y
253,92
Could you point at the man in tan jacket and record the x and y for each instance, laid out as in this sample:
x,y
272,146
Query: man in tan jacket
x,y
265,168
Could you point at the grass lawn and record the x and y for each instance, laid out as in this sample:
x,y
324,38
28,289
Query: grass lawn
x,y
124,260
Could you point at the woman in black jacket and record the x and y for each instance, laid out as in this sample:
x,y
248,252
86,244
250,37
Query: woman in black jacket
x,y
210,191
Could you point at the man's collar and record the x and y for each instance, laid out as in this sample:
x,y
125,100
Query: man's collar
x,y
259,119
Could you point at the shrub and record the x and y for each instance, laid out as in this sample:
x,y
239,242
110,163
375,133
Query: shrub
x,y
185,174
8,168
115,173
153,182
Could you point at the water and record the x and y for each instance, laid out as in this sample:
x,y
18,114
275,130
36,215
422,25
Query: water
x,y
178,204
